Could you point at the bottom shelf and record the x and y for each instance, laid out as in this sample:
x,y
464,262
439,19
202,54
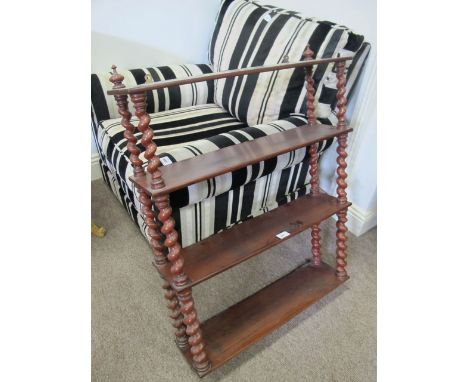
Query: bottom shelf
x,y
248,321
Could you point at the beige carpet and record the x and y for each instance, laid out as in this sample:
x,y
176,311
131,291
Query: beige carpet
x,y
132,340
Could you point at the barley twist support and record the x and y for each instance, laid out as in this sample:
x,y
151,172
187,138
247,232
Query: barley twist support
x,y
313,154
200,361
341,228
176,315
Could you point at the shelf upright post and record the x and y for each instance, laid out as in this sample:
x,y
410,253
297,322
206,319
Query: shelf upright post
x,y
153,225
313,154
200,361
341,228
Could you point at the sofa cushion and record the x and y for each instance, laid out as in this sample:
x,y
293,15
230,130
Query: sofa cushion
x,y
249,34
104,106
200,220
172,129
188,132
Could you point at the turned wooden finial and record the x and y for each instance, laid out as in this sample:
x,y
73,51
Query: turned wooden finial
x,y
308,53
116,78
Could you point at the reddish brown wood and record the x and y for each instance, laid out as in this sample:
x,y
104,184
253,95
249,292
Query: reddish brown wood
x,y
154,229
313,154
341,228
341,246
226,249
247,322
182,174
224,74
315,244
137,164
308,54
147,206
149,215
200,359
122,103
176,315
341,94
342,198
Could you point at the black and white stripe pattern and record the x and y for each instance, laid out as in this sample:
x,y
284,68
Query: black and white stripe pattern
x,y
200,93
172,129
195,119
202,219
210,206
249,34
176,133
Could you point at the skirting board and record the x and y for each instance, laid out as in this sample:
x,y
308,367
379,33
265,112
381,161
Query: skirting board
x,y
95,168
360,221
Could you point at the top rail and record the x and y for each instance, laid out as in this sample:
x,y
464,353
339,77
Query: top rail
x,y
224,74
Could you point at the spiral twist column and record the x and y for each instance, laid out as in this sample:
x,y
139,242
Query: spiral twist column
x,y
176,315
200,359
122,103
313,155
341,228
149,214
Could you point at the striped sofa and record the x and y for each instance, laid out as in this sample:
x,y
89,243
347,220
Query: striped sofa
x,y
191,120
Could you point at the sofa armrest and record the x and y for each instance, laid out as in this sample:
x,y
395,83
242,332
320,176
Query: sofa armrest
x,y
104,106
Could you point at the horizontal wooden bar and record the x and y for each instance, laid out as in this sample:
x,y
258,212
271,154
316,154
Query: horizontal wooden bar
x,y
224,74
190,171
247,322
226,249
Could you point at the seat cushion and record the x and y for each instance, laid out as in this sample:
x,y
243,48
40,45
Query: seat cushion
x,y
172,128
200,220
249,34
208,207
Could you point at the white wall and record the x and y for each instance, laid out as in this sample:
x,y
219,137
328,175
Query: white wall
x,y
142,33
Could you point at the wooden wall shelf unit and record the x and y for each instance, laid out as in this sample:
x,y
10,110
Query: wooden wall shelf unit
x,y
208,345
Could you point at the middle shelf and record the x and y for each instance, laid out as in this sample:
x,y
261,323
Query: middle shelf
x,y
226,249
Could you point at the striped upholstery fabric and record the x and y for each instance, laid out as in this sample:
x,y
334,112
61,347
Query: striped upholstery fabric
x,y
249,34
172,129
201,220
192,120
210,206
104,106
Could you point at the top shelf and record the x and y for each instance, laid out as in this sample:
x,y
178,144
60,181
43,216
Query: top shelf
x,y
190,171
224,74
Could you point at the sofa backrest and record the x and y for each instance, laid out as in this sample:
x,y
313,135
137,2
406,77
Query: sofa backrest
x,y
104,106
250,34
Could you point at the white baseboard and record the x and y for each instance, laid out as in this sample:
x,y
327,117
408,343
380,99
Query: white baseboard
x,y
95,168
360,221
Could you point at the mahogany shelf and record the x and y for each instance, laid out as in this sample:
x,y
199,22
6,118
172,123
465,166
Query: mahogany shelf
x,y
190,171
247,322
212,256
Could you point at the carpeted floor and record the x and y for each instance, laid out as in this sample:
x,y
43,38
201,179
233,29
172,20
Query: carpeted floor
x,y
132,340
